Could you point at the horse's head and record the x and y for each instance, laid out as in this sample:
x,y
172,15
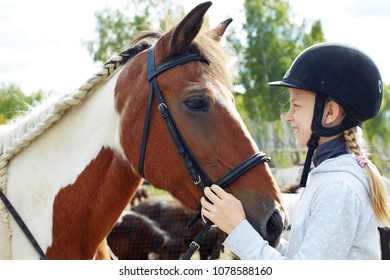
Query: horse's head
x,y
199,99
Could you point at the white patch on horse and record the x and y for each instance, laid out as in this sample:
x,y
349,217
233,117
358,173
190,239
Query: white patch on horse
x,y
226,100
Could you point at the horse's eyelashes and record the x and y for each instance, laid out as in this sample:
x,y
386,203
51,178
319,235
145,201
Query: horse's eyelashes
x,y
197,104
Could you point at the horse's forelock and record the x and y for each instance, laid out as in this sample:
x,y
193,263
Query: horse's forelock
x,y
219,58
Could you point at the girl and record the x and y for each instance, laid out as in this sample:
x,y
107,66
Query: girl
x,y
333,89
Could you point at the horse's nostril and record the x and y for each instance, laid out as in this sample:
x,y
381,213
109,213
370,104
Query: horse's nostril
x,y
274,227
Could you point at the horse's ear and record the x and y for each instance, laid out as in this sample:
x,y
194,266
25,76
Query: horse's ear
x,y
217,32
188,28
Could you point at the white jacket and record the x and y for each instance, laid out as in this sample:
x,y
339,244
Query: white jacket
x,y
333,220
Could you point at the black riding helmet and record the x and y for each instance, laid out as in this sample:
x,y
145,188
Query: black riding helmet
x,y
341,73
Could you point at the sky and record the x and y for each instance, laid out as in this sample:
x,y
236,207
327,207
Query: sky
x,y
41,40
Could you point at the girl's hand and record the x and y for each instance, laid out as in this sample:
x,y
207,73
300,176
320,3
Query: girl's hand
x,y
225,211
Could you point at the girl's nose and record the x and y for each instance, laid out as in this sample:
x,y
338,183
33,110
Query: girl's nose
x,y
289,116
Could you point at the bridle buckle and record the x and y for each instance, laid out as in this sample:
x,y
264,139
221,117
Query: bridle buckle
x,y
198,181
195,244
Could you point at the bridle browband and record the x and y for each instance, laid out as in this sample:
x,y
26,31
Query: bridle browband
x,y
198,175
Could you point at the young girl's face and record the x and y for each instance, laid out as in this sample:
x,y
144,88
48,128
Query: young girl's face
x,y
300,114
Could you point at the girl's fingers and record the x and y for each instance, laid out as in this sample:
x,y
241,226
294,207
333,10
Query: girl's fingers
x,y
218,208
218,191
205,204
206,208
215,193
211,195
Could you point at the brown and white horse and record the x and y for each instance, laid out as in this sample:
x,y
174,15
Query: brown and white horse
x,y
70,166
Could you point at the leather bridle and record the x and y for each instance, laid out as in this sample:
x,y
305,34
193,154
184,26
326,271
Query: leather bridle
x,y
198,175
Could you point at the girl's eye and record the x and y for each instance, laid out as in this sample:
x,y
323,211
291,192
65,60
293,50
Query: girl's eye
x,y
197,104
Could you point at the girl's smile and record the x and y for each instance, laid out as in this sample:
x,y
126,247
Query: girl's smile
x,y
300,115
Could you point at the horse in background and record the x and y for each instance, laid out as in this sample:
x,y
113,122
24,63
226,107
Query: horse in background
x,y
172,217
140,194
135,237
70,166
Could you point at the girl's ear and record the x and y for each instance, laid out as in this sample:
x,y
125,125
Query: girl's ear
x,y
333,114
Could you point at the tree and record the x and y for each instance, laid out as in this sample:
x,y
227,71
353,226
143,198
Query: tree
x,y
272,42
115,29
377,133
13,101
315,36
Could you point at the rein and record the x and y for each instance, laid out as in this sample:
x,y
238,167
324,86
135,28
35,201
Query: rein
x,y
198,175
22,225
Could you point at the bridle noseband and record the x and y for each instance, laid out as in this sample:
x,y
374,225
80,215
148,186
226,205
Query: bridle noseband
x,y
198,175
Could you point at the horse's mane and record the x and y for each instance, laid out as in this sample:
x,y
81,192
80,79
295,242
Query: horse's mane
x,y
220,56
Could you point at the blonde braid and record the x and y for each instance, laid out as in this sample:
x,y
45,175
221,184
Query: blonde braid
x,y
379,197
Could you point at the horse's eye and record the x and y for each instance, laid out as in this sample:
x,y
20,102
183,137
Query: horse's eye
x,y
197,104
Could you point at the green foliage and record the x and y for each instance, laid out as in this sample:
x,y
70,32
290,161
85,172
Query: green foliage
x,y
115,29
153,191
377,133
13,101
272,42
315,36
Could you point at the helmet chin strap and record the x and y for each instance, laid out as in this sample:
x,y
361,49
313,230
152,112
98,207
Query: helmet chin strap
x,y
312,145
316,127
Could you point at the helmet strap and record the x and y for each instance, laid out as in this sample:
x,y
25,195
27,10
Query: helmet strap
x,y
319,129
316,127
312,145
